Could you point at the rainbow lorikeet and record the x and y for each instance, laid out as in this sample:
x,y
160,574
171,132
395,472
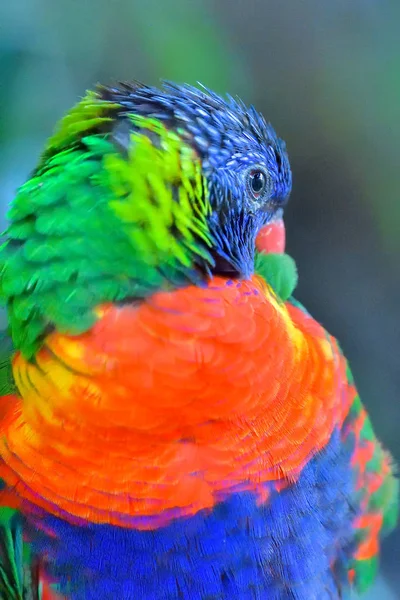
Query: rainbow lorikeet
x,y
173,424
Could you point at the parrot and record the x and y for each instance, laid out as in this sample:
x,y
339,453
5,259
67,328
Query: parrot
x,y
174,425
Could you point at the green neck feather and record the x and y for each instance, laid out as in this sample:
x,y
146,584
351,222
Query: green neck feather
x,y
93,225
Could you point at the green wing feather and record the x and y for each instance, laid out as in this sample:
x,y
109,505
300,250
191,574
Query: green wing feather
x,y
11,555
378,494
12,548
7,385
93,226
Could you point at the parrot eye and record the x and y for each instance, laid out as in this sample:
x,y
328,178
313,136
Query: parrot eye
x,y
258,182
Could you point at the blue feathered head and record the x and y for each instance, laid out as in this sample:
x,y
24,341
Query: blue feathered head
x,y
246,165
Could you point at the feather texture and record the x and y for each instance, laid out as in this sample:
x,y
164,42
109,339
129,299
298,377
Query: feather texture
x,y
173,424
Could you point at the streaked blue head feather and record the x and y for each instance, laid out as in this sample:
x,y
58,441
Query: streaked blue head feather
x,y
236,146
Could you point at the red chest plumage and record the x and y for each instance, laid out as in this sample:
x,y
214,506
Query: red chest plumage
x,y
172,403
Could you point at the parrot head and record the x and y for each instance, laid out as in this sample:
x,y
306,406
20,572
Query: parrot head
x,y
245,164
139,190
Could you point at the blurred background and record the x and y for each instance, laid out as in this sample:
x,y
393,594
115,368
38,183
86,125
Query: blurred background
x,y
326,73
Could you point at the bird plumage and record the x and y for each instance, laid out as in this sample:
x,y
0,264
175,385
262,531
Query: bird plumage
x,y
175,425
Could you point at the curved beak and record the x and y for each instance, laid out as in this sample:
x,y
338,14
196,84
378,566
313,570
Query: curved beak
x,y
271,238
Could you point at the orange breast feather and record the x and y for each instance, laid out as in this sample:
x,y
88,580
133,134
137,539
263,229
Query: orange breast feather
x,y
171,404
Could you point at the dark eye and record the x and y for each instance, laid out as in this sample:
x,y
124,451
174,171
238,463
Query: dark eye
x,y
258,182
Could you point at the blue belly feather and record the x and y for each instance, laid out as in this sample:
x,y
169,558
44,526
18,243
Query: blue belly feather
x,y
282,550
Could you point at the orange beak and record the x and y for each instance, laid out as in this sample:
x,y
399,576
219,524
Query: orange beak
x,y
272,237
